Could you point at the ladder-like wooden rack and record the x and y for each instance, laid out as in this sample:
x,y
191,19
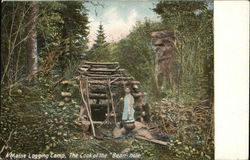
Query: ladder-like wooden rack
x,y
101,86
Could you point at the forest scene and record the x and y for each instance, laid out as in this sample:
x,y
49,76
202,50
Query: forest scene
x,y
164,49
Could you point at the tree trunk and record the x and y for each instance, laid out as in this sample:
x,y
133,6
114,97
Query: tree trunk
x,y
32,58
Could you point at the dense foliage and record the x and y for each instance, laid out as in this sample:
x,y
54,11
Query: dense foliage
x,y
193,24
35,118
135,53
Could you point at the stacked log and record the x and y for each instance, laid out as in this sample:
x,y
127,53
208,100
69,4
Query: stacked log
x,y
105,86
65,94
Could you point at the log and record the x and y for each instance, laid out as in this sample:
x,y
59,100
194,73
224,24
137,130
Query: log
x,y
112,78
98,96
65,82
98,105
121,82
135,86
99,91
101,66
121,73
102,63
135,82
98,88
116,73
65,94
83,69
113,66
98,122
106,78
104,82
152,140
101,75
105,70
98,82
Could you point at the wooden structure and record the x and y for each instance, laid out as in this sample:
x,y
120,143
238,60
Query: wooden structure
x,y
102,87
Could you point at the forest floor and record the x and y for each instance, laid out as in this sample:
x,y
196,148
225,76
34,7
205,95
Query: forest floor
x,y
32,121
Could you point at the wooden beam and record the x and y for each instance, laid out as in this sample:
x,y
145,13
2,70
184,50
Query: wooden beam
x,y
112,78
87,108
101,75
135,82
98,96
98,122
98,88
105,70
101,63
112,101
152,140
98,105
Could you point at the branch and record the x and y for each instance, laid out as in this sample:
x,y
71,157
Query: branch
x,y
6,142
86,105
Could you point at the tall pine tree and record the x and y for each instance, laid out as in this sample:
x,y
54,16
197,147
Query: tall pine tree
x,y
74,32
100,50
100,40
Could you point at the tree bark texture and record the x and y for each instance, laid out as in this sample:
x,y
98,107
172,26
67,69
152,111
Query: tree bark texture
x,y
32,57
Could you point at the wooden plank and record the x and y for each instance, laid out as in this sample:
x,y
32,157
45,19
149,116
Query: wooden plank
x,y
152,140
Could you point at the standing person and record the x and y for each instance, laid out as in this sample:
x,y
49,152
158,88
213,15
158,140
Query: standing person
x,y
128,109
